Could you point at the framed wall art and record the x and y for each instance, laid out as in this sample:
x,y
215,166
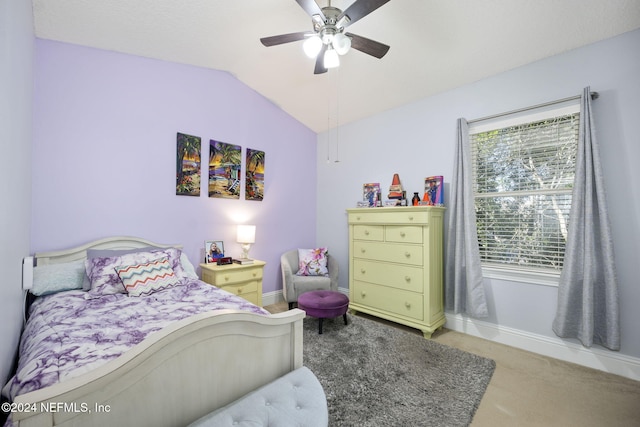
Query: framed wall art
x,y
224,170
254,175
188,165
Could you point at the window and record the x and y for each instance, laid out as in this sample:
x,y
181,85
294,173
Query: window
x,y
523,174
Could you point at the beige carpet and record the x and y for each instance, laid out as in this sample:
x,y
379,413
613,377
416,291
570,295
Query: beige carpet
x,y
531,390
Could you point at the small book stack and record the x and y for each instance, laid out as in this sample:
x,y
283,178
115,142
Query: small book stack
x,y
243,261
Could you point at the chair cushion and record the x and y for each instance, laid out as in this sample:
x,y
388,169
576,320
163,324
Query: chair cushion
x,y
312,262
296,398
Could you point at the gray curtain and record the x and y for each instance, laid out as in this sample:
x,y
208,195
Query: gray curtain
x,y
464,287
588,291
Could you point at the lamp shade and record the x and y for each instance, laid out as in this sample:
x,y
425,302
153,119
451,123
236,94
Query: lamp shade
x,y
312,46
246,234
331,59
341,43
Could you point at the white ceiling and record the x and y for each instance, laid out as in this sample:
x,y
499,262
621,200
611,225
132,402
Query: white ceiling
x,y
436,45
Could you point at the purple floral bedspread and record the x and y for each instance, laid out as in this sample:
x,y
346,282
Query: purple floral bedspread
x,y
68,335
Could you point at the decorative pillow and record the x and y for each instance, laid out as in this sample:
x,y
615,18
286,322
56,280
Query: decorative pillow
x,y
312,262
108,253
147,278
103,276
133,256
52,278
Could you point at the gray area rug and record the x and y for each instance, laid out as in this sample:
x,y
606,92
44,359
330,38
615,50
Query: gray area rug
x,y
377,375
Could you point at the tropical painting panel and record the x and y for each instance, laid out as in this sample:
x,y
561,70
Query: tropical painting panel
x,y
224,170
254,179
188,165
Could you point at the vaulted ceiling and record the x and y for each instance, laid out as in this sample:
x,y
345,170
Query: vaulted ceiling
x,y
436,45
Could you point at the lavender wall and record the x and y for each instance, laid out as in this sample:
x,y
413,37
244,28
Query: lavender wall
x,y
104,152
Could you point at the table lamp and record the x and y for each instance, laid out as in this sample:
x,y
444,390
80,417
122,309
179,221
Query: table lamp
x,y
246,236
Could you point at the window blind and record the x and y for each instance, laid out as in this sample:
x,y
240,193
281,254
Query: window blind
x,y
523,179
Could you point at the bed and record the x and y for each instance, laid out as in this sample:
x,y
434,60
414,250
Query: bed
x,y
195,360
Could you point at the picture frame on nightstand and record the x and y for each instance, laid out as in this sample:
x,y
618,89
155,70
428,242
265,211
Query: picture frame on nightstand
x,y
213,250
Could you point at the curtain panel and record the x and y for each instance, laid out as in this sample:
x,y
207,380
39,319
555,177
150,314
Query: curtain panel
x,y
464,285
588,305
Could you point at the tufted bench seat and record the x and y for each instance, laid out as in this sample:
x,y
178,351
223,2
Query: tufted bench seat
x,y
295,399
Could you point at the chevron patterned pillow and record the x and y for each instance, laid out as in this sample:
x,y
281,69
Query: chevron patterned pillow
x,y
147,278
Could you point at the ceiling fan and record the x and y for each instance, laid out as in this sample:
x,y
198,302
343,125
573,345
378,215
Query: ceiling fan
x,y
329,39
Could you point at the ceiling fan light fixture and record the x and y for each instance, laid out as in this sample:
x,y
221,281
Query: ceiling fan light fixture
x,y
341,43
312,46
343,22
331,59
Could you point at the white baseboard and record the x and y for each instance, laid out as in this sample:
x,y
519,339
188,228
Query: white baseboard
x,y
271,298
596,358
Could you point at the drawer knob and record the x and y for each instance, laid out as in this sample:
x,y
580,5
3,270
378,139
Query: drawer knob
x,y
255,274
407,254
366,232
402,234
358,218
363,250
407,304
239,291
363,293
226,278
362,270
407,278
410,217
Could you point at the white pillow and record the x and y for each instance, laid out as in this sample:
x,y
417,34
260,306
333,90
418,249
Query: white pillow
x,y
52,278
189,269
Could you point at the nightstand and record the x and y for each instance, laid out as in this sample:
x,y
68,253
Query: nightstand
x,y
242,280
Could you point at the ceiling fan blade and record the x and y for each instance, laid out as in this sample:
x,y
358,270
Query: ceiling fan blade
x,y
359,9
283,38
320,68
312,8
368,46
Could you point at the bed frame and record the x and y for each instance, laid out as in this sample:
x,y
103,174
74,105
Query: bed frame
x,y
175,375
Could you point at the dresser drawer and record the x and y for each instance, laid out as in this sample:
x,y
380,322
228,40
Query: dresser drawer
x,y
388,216
391,252
401,303
392,275
230,276
368,232
403,233
242,289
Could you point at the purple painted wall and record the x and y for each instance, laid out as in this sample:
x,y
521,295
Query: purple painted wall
x,y
104,148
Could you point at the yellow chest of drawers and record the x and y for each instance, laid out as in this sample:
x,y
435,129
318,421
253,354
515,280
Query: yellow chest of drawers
x,y
242,280
396,265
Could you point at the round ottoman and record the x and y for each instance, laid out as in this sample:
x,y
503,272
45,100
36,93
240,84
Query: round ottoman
x,y
324,305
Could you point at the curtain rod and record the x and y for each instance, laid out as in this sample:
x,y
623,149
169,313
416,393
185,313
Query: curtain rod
x,y
594,95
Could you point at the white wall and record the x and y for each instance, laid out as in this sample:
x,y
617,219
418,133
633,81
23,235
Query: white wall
x,y
16,52
417,140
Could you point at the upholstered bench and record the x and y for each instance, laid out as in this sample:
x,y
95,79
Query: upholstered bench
x,y
296,398
324,305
